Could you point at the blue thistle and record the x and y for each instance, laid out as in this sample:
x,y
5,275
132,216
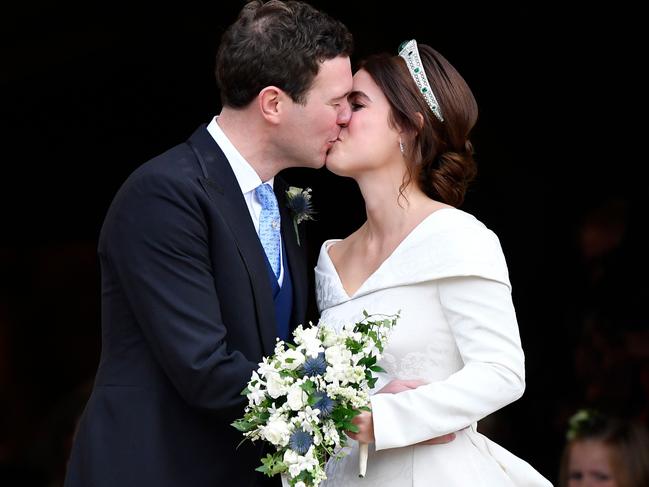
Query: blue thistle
x,y
324,403
299,202
315,366
300,205
300,441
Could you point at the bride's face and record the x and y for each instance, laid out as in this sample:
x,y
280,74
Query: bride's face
x,y
368,142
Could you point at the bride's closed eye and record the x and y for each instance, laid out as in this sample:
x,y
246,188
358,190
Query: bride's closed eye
x,y
356,106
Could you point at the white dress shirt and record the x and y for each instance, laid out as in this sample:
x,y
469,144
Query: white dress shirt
x,y
247,178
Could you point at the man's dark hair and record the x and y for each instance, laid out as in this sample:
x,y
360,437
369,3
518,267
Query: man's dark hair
x,y
277,43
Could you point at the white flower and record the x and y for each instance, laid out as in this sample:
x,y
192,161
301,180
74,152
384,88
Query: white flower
x,y
291,359
308,417
338,355
296,397
298,463
276,385
327,335
308,340
276,431
300,484
266,367
330,433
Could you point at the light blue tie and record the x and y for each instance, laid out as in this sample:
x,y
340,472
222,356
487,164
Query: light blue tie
x,y
269,225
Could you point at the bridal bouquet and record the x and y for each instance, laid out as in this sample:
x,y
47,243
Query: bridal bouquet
x,y
304,397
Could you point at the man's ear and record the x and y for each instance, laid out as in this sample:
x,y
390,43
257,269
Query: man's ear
x,y
271,100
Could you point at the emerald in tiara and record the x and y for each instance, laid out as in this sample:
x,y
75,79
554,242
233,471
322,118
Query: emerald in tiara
x,y
409,52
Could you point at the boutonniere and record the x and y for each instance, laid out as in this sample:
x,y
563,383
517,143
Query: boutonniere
x,y
299,202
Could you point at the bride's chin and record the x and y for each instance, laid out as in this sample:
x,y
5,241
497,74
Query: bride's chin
x,y
335,167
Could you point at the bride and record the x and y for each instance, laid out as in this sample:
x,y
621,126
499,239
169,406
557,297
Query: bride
x,y
407,148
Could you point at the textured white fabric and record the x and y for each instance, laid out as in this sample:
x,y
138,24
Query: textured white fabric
x,y
457,331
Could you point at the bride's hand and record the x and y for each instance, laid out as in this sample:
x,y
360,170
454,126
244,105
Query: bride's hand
x,y
365,426
397,385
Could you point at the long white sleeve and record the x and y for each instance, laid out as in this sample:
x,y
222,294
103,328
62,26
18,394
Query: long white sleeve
x,y
483,322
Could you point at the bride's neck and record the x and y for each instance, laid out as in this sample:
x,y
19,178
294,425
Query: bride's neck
x,y
389,212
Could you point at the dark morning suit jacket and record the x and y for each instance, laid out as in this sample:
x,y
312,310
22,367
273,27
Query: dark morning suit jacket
x,y
187,313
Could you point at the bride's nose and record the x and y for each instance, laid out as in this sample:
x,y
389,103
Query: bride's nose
x,y
345,114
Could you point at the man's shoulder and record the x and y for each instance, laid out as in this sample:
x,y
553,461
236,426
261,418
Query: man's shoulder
x,y
175,163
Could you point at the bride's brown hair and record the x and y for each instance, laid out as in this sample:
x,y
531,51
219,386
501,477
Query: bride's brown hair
x,y
440,154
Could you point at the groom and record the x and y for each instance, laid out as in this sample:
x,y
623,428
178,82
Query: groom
x,y
201,266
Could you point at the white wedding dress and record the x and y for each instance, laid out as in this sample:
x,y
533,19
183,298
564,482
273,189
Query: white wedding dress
x,y
458,331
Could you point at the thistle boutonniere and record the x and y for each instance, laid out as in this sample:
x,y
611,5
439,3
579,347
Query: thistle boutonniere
x,y
299,202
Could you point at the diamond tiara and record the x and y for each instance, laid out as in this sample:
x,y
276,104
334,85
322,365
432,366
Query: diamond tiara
x,y
408,51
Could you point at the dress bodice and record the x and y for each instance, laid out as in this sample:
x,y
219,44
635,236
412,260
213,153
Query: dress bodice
x,y
457,331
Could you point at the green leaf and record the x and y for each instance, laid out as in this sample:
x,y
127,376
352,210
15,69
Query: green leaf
x,y
377,368
272,465
351,427
243,425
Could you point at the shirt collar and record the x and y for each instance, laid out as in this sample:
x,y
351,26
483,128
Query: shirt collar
x,y
246,176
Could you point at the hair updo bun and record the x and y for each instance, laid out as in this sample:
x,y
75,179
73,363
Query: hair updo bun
x,y
447,177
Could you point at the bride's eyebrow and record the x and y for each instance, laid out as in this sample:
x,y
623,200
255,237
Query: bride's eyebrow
x,y
359,94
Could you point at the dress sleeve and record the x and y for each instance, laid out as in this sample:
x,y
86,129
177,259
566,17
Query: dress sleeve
x,y
481,316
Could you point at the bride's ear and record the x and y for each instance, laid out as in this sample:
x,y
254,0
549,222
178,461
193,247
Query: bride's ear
x,y
420,120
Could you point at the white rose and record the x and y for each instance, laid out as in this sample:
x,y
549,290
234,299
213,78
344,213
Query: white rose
x,y
277,432
296,398
275,385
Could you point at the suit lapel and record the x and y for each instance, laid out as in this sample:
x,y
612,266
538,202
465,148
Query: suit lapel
x,y
295,255
224,191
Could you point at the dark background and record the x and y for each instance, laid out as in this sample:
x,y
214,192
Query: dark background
x,y
90,93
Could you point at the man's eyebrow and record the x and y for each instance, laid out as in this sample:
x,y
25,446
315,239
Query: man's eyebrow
x,y
341,97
